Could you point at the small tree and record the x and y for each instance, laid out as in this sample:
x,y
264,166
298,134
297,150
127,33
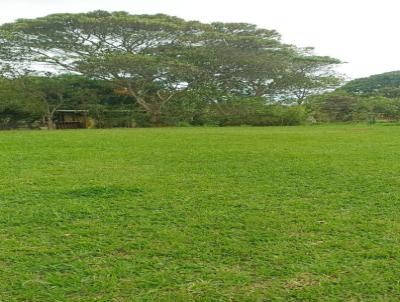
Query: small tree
x,y
57,92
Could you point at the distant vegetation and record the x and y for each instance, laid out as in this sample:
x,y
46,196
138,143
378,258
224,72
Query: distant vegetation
x,y
371,99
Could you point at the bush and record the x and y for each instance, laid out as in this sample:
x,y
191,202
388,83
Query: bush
x,y
255,112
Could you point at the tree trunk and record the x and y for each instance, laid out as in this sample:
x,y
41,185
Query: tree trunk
x,y
155,118
152,105
49,122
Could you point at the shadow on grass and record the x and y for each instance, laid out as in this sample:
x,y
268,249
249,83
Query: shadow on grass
x,y
96,192
102,192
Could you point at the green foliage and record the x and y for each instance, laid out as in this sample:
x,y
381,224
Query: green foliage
x,y
344,107
335,107
256,112
59,92
13,115
306,75
158,60
367,99
15,110
386,84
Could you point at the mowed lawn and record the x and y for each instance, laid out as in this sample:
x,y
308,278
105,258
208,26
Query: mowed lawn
x,y
201,214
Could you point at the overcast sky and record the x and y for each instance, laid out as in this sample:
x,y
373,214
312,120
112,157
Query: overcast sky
x,y
363,33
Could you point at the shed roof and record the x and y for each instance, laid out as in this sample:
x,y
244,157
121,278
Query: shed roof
x,y
72,111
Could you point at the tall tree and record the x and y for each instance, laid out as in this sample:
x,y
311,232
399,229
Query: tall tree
x,y
156,58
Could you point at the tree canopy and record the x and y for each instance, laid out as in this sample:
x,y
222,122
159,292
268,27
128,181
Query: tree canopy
x,y
157,59
387,84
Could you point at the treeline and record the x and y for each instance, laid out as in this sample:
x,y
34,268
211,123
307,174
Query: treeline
x,y
153,70
32,102
371,99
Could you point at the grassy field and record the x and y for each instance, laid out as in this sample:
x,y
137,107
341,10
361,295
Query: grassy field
x,y
201,214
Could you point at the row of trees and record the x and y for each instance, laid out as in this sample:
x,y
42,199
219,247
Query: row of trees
x,y
33,101
367,99
163,69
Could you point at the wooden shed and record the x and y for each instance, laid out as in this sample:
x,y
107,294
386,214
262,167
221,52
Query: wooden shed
x,y
72,119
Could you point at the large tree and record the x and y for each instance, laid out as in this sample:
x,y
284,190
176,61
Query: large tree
x,y
114,46
157,58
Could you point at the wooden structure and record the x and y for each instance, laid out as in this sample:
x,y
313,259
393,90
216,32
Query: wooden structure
x,y
72,119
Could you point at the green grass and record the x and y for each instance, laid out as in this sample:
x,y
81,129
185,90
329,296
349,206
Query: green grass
x,y
201,214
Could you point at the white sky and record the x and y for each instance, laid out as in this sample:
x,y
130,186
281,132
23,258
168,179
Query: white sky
x,y
363,33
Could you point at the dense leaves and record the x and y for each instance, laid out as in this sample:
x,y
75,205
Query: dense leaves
x,y
368,99
387,84
159,61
